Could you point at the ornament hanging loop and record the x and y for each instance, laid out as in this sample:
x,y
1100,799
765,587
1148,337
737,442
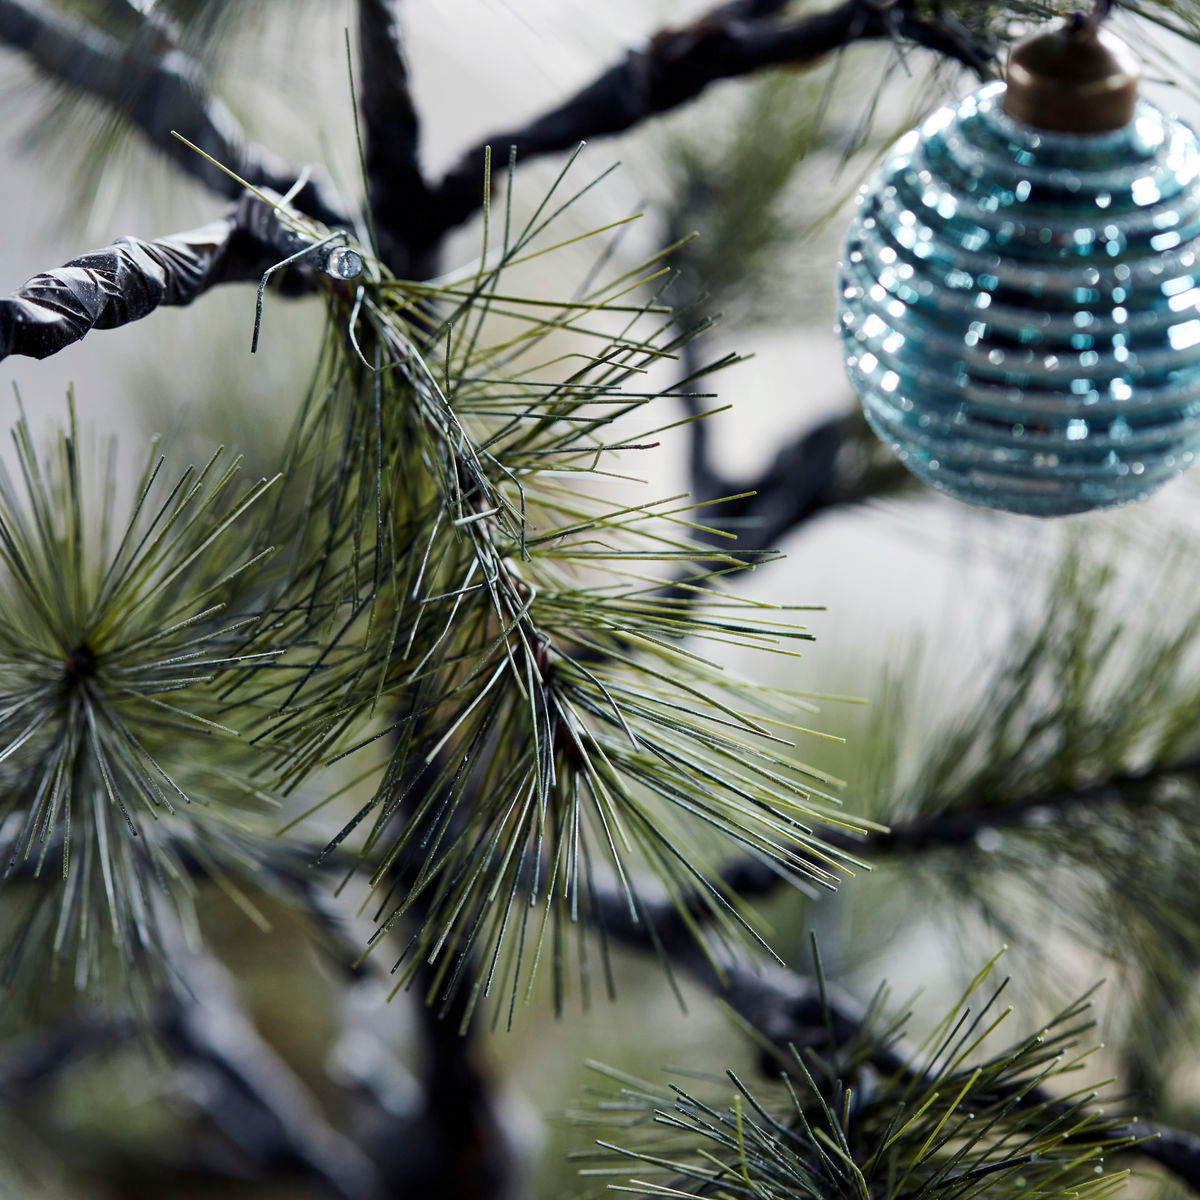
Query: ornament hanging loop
x,y
1089,23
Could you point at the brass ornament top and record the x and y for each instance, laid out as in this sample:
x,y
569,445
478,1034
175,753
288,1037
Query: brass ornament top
x,y
1078,78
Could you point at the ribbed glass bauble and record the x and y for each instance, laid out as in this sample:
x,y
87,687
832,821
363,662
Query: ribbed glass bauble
x,y
1020,308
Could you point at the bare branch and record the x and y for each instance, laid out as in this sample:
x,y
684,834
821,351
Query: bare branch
x,y
232,1075
159,89
960,827
676,66
835,463
251,1094
396,189
440,1132
748,877
26,1062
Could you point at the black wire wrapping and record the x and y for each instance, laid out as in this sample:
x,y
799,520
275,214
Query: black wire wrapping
x,y
113,286
128,280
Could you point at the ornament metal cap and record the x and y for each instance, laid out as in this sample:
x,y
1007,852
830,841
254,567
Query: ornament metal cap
x,y
1078,78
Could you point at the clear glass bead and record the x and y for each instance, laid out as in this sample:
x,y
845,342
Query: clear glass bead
x,y
343,263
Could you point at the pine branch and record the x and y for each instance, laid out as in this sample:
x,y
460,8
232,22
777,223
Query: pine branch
x,y
551,765
962,827
239,1082
750,10
26,1062
834,463
396,188
1064,791
887,1119
465,1150
456,1131
159,89
789,1010
677,65
747,877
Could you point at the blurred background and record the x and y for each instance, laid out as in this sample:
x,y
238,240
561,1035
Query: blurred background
x,y
924,602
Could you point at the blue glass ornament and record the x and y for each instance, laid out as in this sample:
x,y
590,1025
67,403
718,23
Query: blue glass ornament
x,y
1020,309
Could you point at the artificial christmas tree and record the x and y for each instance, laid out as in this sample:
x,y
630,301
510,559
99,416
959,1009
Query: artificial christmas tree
x,y
463,707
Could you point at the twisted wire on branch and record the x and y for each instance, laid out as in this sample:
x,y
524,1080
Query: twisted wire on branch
x,y
128,280
121,283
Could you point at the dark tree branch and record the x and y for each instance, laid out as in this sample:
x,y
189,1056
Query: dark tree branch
x,y
232,1076
249,1092
130,279
456,1143
440,1134
1174,1150
158,89
150,21
959,828
396,189
749,10
462,1148
676,66
121,283
26,1062
749,878
787,1008
835,463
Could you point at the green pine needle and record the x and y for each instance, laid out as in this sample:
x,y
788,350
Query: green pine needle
x,y
1073,778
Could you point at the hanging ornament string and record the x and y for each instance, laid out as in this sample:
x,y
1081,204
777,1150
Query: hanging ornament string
x,y
1020,288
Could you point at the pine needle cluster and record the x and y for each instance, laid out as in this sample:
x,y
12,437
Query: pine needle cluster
x,y
465,585
955,1123
541,660
1059,806
120,770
